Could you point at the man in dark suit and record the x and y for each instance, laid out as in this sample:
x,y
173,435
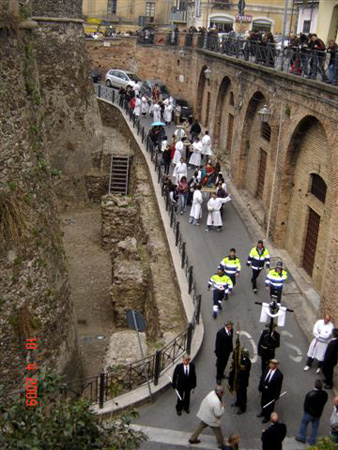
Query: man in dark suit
x,y
267,344
223,348
270,386
243,376
330,359
184,380
274,435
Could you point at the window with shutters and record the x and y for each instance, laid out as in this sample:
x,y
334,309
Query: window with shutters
x,y
318,187
266,131
113,6
150,9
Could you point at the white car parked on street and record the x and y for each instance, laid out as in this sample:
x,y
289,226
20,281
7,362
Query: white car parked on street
x,y
117,78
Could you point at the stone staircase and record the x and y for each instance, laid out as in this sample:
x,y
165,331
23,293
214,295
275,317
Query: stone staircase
x,y
119,174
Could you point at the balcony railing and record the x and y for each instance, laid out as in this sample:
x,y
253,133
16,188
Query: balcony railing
x,y
302,62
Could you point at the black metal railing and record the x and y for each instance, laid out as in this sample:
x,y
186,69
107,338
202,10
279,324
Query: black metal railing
x,y
297,60
124,378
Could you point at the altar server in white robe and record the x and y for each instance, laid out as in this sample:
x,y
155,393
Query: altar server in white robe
x,y
196,208
157,112
214,214
180,170
195,158
179,146
137,109
144,106
206,144
322,332
168,114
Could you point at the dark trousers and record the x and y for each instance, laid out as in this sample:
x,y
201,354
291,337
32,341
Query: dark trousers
x,y
185,402
276,293
166,167
328,373
255,274
241,399
266,360
269,409
221,364
232,277
310,361
218,296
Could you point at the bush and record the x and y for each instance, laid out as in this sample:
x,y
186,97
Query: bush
x,y
57,424
324,444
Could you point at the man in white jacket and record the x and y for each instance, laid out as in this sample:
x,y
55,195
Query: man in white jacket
x,y
210,413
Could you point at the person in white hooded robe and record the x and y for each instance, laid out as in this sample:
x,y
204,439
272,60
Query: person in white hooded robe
x,y
156,112
178,152
196,208
322,332
195,158
214,214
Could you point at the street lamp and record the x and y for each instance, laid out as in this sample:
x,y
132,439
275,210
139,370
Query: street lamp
x,y
264,114
207,73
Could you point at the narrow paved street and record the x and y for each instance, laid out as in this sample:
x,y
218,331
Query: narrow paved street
x,y
205,251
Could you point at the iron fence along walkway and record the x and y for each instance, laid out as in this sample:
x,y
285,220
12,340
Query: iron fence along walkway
x,y
124,378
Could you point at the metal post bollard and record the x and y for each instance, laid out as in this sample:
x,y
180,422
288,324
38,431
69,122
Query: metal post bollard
x,y
190,279
159,173
177,233
172,215
99,91
189,338
183,255
113,96
198,309
101,389
167,198
157,369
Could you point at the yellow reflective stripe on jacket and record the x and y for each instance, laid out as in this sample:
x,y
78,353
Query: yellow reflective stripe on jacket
x,y
231,266
276,279
216,282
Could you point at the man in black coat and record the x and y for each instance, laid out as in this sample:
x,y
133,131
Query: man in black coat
x,y
270,386
267,345
274,435
184,380
243,375
314,403
330,359
223,348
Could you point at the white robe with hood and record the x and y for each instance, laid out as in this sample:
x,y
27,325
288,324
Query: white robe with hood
x,y
178,152
214,207
196,208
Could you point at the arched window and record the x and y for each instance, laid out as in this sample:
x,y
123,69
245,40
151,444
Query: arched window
x,y
318,187
231,99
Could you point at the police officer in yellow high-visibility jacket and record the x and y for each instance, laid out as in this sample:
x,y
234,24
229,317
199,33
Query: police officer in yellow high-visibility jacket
x,y
276,279
231,265
258,257
221,285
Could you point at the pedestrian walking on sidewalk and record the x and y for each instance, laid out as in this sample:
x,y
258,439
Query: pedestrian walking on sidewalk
x,y
275,280
258,257
214,218
322,332
196,208
314,403
270,387
223,349
274,435
184,381
232,265
210,413
330,359
221,285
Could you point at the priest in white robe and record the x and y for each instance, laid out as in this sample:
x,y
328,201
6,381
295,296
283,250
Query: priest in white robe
x,y
196,208
179,146
144,105
206,144
214,214
195,158
168,114
180,170
137,109
157,112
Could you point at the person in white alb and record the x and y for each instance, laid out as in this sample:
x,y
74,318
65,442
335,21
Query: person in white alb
x,y
137,109
180,170
156,112
178,152
206,144
322,332
196,208
195,158
214,212
144,106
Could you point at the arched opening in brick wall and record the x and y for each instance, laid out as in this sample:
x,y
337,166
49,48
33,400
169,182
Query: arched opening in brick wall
x,y
221,117
201,95
303,219
251,146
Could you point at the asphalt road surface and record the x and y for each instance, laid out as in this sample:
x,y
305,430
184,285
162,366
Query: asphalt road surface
x,y
205,251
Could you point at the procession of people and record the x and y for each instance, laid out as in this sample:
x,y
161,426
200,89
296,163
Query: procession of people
x,y
198,184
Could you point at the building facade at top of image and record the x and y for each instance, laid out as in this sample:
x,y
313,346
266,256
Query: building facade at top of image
x,y
311,16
